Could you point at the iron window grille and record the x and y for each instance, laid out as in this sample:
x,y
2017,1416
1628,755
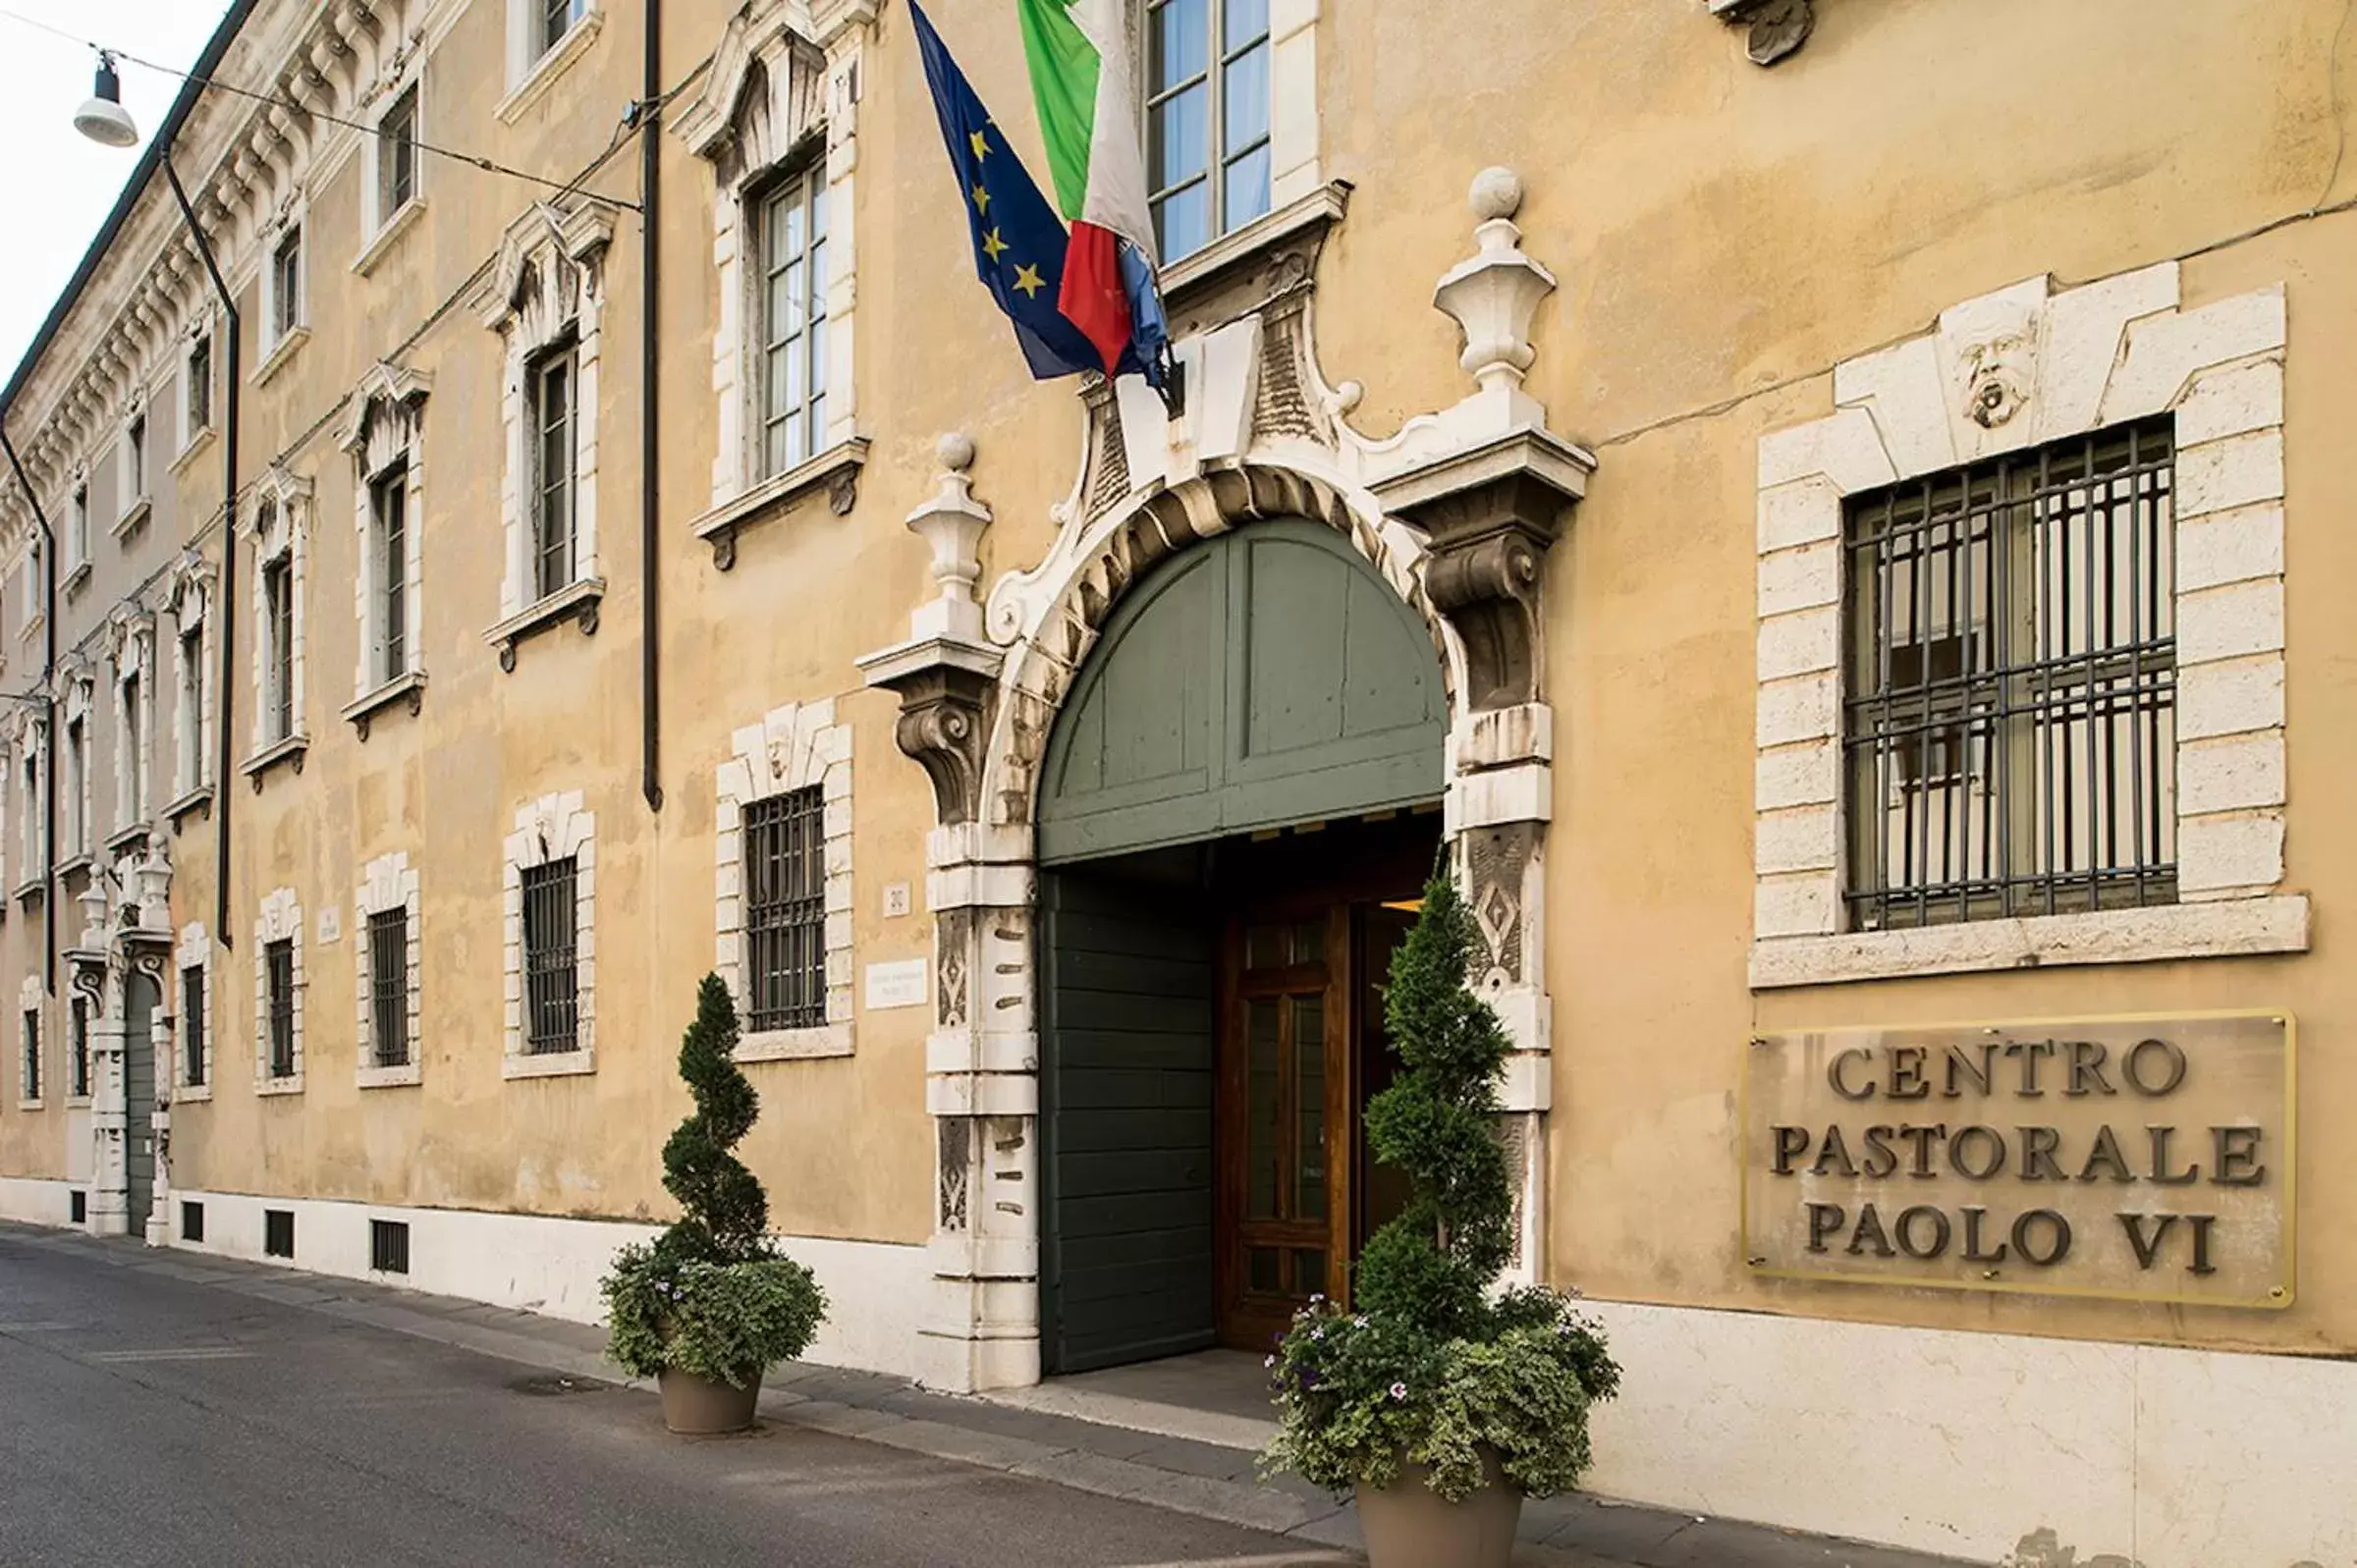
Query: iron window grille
x,y
389,1246
396,155
78,1049
551,967
553,386
786,910
278,610
278,964
278,1232
191,1024
2009,724
792,312
389,987
1207,119
389,505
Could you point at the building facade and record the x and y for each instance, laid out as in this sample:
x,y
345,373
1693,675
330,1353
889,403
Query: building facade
x,y
1837,551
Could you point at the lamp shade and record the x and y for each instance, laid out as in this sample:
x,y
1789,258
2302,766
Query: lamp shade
x,y
102,116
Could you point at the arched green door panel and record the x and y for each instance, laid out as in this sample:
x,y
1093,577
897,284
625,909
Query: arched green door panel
x,y
1265,677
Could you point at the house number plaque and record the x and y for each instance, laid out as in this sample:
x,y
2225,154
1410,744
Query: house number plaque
x,y
2149,1158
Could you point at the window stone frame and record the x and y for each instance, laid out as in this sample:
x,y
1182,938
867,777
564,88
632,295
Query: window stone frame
x,y
386,426
776,101
279,346
189,602
279,920
381,230
277,522
30,1004
2015,368
518,303
388,881
194,950
797,746
134,654
550,829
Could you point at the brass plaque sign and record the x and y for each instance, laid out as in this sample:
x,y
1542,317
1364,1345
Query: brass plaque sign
x,y
2149,1158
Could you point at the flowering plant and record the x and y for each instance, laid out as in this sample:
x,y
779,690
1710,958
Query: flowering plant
x,y
710,1295
1433,1368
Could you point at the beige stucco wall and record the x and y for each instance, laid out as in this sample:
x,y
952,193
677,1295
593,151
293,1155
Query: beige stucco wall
x,y
1723,235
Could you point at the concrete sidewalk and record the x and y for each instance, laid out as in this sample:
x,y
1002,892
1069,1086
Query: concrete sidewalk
x,y
1209,1480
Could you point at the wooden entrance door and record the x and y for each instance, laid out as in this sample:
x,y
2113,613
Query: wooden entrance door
x,y
1288,1120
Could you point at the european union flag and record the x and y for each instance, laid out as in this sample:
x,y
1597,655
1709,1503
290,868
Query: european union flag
x,y
1019,242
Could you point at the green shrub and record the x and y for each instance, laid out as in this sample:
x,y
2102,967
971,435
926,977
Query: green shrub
x,y
710,1295
1431,1368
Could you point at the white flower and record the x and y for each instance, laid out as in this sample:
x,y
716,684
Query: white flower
x,y
1270,1362
1399,1390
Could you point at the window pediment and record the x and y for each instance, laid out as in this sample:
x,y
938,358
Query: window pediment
x,y
766,88
550,269
279,507
387,407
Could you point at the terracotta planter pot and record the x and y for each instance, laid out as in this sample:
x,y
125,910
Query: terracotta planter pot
x,y
700,1406
1407,1524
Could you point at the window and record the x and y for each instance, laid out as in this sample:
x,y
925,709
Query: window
x,y
551,976
278,1232
389,1246
28,1080
388,508
552,20
188,711
78,530
285,285
133,762
33,585
1207,119
192,1220
396,155
77,790
36,841
78,1049
785,912
2009,726
198,408
278,648
389,987
135,462
552,388
193,1045
278,960
792,311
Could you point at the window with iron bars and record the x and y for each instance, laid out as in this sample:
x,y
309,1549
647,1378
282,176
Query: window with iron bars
x,y
551,967
389,987
191,1024
786,910
2010,718
278,968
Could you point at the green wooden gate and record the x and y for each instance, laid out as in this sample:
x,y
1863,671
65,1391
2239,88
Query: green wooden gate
x,y
1265,677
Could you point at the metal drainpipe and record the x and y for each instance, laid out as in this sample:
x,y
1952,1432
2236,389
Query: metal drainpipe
x,y
651,305
49,721
225,621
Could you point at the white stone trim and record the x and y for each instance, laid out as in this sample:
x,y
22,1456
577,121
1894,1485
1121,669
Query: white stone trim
x,y
807,59
277,345
2041,365
378,227
1294,170
549,829
135,765
798,747
277,523
32,1056
279,920
388,881
191,595
390,430
194,950
531,73
78,840
30,746
533,317
200,329
2173,1457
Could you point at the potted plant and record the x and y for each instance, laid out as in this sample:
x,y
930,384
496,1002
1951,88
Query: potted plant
x,y
1440,1401
710,1304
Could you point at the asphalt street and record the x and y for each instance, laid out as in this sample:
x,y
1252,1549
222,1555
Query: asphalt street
x,y
148,1419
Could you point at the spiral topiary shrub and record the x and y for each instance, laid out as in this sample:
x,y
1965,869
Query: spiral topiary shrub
x,y
711,1295
1433,1367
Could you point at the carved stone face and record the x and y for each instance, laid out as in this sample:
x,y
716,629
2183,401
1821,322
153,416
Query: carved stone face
x,y
1994,388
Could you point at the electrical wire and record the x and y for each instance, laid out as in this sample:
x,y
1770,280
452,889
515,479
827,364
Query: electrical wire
x,y
472,159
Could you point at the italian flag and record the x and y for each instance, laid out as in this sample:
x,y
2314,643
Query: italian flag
x,y
1084,81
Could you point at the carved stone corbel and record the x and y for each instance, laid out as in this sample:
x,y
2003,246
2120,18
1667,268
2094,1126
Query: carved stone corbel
x,y
1483,571
946,714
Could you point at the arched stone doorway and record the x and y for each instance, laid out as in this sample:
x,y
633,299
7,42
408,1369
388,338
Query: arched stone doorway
x,y
1238,800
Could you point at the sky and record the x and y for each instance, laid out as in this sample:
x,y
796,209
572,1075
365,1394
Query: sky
x,y
56,187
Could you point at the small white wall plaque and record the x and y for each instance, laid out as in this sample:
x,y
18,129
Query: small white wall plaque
x,y
899,984
331,923
895,899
